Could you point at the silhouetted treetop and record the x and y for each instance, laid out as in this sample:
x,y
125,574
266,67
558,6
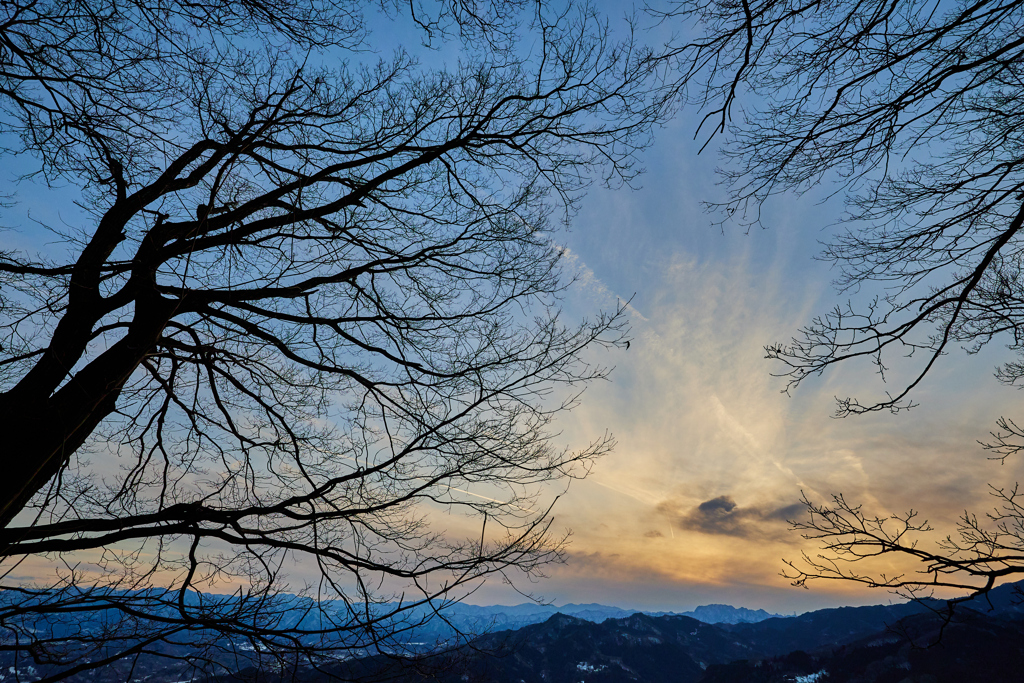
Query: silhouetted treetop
x,y
911,110
912,113
311,299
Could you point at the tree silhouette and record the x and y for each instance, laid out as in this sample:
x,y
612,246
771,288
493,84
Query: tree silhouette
x,y
313,297
912,111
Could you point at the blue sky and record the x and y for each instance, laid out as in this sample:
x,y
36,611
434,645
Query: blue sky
x,y
700,420
691,506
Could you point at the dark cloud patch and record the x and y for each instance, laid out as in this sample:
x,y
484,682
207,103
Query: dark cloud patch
x,y
723,505
787,512
653,534
719,516
724,517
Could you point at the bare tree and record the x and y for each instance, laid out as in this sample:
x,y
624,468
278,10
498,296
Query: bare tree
x,y
312,298
912,110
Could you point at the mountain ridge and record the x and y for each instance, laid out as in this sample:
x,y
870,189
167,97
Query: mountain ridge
x,y
875,644
872,644
527,613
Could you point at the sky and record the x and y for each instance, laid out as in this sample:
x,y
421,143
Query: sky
x,y
712,458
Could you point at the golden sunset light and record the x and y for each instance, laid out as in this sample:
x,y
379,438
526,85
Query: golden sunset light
x,y
503,341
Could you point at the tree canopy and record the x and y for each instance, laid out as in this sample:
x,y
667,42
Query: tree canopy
x,y
911,112
313,295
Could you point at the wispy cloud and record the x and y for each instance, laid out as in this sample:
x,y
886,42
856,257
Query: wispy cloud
x,y
586,282
712,458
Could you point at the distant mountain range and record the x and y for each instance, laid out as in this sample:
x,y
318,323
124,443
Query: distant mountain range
x,y
479,619
901,643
